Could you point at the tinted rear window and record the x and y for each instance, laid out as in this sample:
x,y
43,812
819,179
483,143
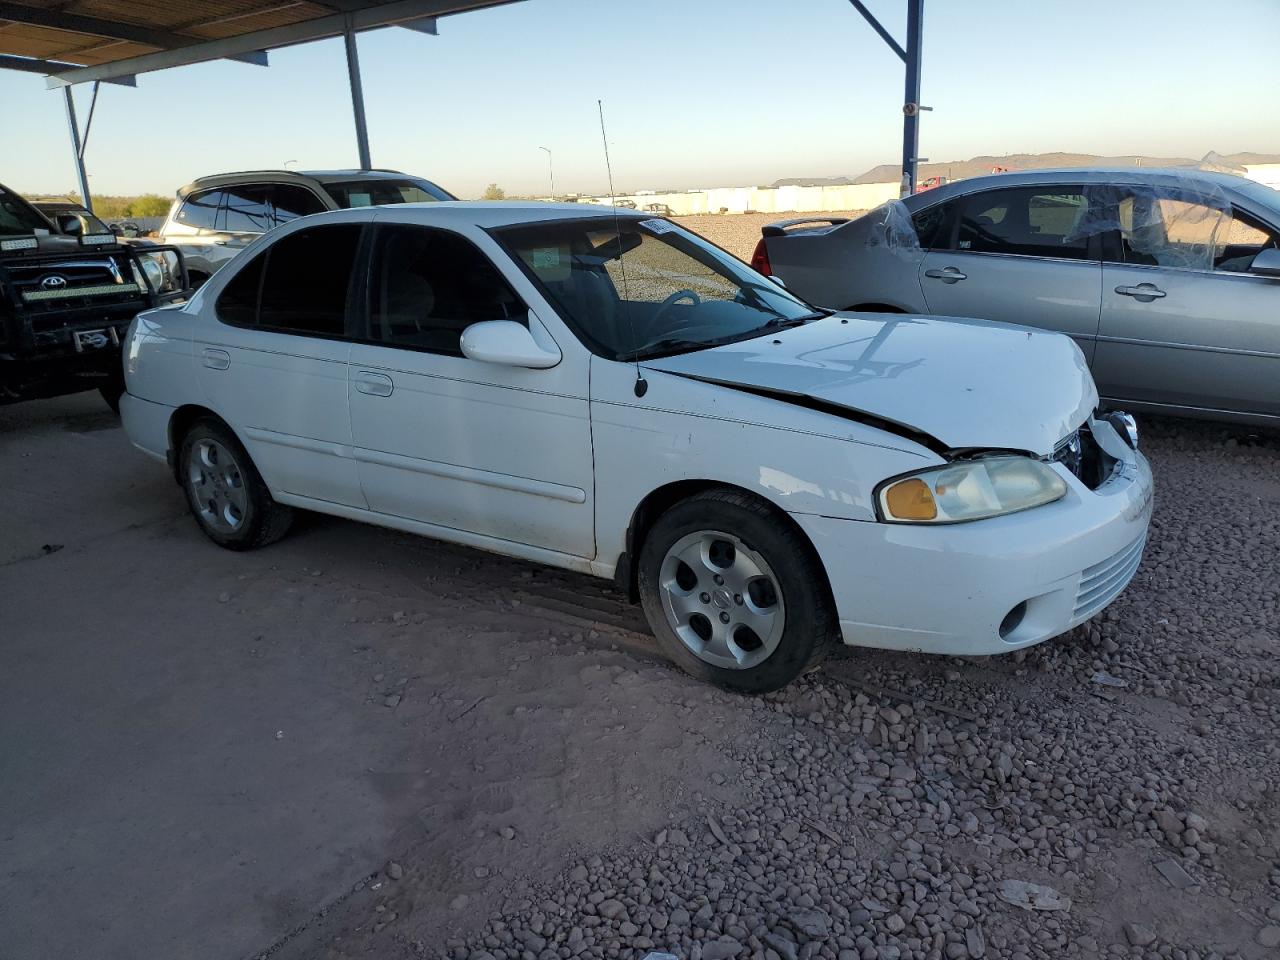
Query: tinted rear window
x,y
377,193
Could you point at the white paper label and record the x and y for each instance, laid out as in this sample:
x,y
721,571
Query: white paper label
x,y
658,226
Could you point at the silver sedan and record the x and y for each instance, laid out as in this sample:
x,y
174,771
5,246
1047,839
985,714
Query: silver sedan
x,y
1169,280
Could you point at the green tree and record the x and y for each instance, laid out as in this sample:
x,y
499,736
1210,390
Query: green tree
x,y
148,205
494,192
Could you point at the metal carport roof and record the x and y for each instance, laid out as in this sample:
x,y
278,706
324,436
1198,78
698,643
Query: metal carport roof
x,y
112,41
78,41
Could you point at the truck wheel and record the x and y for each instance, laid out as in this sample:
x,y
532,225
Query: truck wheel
x,y
226,493
734,594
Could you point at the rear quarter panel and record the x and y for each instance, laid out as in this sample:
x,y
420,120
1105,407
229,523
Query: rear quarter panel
x,y
835,268
158,361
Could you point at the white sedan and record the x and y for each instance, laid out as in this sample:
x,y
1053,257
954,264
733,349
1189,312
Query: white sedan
x,y
610,393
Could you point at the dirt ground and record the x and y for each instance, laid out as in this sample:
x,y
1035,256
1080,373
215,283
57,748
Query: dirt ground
x,y
739,232
358,743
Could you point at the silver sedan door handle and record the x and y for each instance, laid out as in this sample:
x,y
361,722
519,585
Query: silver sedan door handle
x,y
1145,292
215,359
946,275
374,384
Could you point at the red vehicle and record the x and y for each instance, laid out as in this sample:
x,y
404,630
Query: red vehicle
x,y
931,183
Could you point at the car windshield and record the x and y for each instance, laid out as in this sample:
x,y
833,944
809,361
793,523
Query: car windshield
x,y
646,288
18,217
377,193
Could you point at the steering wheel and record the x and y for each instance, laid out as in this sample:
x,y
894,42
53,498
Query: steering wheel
x,y
672,300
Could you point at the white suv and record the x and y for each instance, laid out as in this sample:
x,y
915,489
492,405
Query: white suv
x,y
216,217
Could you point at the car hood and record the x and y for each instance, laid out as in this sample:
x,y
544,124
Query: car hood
x,y
960,383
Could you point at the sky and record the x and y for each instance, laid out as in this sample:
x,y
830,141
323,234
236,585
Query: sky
x,y
697,93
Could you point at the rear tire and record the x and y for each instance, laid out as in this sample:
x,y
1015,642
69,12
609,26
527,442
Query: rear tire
x,y
227,495
734,593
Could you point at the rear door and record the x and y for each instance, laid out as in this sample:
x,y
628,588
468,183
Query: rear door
x,y
1015,254
274,362
1184,322
195,229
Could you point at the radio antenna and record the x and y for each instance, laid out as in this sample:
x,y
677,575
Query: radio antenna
x,y
642,385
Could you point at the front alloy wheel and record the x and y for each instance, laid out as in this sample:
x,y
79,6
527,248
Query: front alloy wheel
x,y
749,610
722,600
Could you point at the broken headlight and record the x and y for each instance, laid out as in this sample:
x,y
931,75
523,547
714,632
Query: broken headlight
x,y
970,490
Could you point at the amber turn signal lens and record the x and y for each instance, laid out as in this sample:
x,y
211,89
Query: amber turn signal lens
x,y
910,500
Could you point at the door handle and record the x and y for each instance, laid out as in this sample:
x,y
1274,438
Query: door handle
x,y
946,275
1145,292
215,359
374,384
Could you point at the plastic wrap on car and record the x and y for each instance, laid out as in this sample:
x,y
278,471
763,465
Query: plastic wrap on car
x,y
892,230
1175,222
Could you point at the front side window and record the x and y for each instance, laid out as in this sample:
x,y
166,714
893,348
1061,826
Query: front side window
x,y
200,210
428,285
379,192
247,209
1164,231
299,284
645,288
1031,221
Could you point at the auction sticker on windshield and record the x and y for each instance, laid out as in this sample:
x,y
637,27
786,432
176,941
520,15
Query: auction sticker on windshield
x,y
658,226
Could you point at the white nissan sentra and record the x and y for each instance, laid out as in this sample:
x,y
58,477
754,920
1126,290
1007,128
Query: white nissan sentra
x,y
615,395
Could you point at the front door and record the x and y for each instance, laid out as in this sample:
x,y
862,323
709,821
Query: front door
x,y
1184,322
502,452
1018,255
274,363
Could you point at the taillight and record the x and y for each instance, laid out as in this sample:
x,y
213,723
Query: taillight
x,y
760,259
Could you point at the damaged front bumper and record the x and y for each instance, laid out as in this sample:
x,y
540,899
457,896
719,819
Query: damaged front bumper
x,y
996,585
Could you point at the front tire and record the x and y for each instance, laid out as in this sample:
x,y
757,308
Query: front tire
x,y
734,593
227,495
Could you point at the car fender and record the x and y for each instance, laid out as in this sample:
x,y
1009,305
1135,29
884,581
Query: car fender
x,y
686,434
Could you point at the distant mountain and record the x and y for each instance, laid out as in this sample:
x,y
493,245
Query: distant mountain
x,y
978,166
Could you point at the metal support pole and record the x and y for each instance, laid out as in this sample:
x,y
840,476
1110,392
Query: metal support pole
x,y
911,97
357,97
551,171
75,148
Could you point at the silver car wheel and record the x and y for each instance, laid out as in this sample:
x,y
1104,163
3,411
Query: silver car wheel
x,y
217,486
722,600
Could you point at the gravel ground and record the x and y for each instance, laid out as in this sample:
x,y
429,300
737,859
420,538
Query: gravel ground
x,y
1111,793
739,232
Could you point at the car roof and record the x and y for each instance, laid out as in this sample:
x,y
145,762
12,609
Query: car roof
x,y
483,213
1191,177
288,176
66,202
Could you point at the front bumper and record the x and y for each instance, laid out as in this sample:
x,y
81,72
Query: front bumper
x,y
990,586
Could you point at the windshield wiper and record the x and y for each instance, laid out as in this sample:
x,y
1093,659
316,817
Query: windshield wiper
x,y
668,346
782,323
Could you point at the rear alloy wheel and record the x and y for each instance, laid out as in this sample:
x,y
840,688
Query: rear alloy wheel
x,y
748,610
227,496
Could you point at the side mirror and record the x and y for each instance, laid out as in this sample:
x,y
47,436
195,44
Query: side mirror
x,y
70,224
1266,263
165,272
778,280
508,343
